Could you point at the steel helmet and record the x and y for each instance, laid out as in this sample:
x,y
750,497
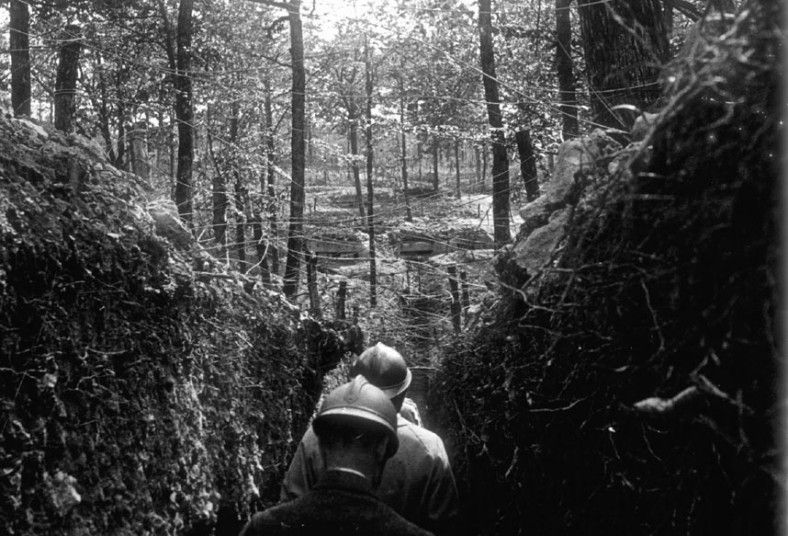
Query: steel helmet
x,y
385,368
359,404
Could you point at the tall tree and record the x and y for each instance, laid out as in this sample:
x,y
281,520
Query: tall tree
x,y
625,44
368,86
295,238
218,196
435,162
184,111
403,146
239,188
66,83
500,166
457,166
19,28
525,149
347,81
564,67
273,252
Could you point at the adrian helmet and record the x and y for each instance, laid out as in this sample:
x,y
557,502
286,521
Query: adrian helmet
x,y
359,405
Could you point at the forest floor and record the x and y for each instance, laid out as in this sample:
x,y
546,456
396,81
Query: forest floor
x,y
414,300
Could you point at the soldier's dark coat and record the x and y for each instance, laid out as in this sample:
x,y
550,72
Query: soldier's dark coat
x,y
340,504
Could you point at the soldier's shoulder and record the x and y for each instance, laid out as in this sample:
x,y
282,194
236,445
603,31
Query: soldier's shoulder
x,y
262,522
399,526
429,441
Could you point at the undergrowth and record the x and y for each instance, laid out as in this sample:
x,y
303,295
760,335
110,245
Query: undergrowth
x,y
562,413
143,388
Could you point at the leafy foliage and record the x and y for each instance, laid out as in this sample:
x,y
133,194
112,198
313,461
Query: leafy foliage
x,y
142,388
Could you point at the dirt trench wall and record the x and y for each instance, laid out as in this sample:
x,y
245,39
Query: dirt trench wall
x,y
628,384
139,395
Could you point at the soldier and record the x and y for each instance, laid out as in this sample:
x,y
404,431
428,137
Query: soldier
x,y
417,482
356,434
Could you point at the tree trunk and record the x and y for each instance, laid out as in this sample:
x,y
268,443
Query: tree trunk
x,y
66,82
353,140
404,148
435,161
295,238
667,17
184,112
341,299
218,197
484,166
261,247
102,109
120,116
240,222
240,193
465,297
273,250
622,68
19,27
311,285
567,97
478,161
525,149
219,202
500,167
139,151
457,166
456,307
373,280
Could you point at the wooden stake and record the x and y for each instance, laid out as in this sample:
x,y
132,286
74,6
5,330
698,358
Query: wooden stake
x,y
466,300
456,309
341,299
311,282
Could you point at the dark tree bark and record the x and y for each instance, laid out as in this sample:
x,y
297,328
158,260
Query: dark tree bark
x,y
138,149
273,250
120,117
19,27
525,149
240,223
456,307
261,247
184,112
218,197
311,285
457,166
373,280
219,202
478,162
419,154
667,16
435,161
404,144
465,297
625,44
500,166
341,299
240,193
567,96
66,82
295,238
485,157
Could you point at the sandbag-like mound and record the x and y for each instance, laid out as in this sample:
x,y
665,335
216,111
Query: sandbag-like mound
x,y
629,384
142,386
